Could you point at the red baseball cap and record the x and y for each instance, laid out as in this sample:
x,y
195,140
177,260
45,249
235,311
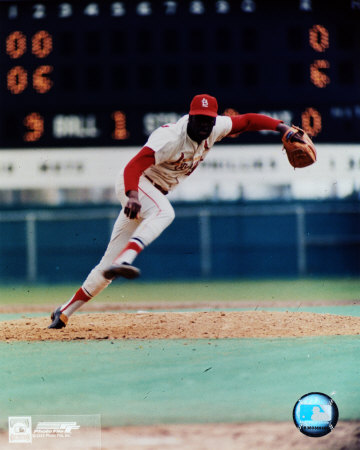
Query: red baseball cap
x,y
204,105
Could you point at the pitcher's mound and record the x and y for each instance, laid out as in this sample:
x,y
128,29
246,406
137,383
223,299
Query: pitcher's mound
x,y
182,325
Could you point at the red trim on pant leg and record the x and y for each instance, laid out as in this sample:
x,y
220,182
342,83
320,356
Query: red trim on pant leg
x,y
147,195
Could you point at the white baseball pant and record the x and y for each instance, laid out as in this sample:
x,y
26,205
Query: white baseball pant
x,y
155,215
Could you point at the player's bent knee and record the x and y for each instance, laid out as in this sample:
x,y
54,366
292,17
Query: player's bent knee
x,y
166,216
170,215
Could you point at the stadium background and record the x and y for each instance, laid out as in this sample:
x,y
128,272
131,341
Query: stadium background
x,y
84,83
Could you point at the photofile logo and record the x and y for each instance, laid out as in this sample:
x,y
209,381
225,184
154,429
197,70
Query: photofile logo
x,y
55,429
20,430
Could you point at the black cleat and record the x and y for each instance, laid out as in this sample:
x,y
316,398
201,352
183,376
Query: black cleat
x,y
59,320
123,270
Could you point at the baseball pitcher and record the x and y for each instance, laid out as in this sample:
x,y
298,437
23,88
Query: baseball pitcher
x,y
171,154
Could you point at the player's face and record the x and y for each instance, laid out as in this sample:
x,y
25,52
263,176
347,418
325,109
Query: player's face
x,y
200,127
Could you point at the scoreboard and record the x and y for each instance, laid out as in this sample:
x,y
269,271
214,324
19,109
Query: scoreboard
x,y
107,73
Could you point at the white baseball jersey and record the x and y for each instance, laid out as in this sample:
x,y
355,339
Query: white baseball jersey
x,y
176,154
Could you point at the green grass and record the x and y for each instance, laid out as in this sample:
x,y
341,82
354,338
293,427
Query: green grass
x,y
330,289
131,382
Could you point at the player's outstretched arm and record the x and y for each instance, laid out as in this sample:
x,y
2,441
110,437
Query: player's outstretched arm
x,y
135,167
253,122
257,122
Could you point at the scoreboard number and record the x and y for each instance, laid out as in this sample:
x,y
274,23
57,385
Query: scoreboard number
x,y
319,38
34,123
39,11
311,121
65,10
120,131
117,9
92,9
16,44
17,80
41,44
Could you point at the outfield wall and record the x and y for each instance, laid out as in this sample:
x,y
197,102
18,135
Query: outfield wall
x,y
205,241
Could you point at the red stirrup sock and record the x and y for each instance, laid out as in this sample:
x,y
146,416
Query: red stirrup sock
x,y
78,300
130,252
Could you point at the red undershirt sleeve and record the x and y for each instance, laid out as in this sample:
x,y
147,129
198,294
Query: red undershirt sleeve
x,y
253,122
136,166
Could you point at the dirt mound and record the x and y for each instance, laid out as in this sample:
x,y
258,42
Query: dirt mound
x,y
182,325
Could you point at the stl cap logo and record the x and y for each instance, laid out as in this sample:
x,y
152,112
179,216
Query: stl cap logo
x,y
204,103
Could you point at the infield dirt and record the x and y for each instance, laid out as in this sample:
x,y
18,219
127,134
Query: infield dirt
x,y
182,325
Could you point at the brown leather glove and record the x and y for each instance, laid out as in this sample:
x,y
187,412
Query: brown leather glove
x,y
299,147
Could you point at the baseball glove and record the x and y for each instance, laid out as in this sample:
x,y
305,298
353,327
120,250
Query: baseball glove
x,y
299,147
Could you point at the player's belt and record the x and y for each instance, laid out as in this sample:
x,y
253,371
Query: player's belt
x,y
162,190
